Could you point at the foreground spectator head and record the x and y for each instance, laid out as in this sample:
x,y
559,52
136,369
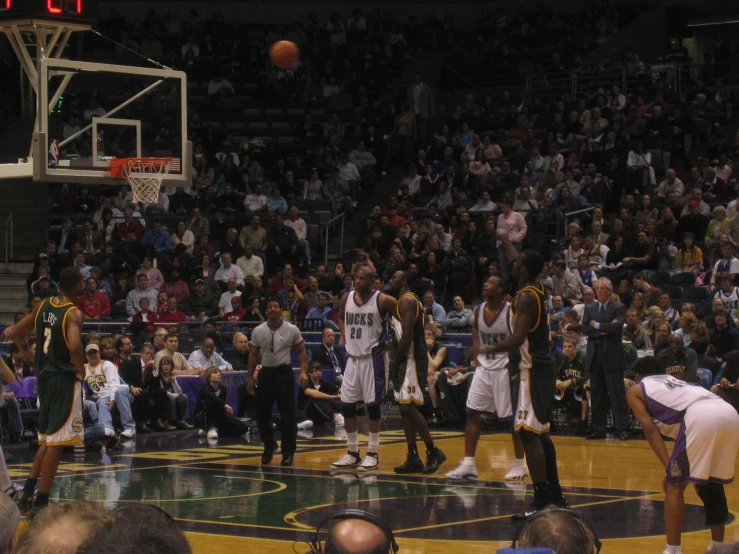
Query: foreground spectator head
x,y
241,343
355,531
138,529
561,530
62,529
11,517
328,337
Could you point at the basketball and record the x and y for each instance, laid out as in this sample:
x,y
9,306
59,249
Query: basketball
x,y
284,54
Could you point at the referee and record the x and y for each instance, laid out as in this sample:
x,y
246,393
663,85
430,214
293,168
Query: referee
x,y
272,341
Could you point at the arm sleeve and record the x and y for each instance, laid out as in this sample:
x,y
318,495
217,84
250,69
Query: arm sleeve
x,y
615,328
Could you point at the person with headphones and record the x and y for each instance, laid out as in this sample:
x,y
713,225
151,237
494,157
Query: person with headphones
x,y
562,531
354,530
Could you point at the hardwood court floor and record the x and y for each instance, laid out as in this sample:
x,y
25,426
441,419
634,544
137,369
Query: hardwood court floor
x,y
227,503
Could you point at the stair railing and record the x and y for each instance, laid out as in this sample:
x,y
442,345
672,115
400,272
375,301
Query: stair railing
x,y
327,227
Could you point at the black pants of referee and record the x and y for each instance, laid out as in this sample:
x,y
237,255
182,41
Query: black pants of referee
x,y
277,384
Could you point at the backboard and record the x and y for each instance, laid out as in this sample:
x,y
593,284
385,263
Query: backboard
x,y
90,113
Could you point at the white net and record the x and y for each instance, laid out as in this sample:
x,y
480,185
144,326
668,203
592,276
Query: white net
x,y
145,177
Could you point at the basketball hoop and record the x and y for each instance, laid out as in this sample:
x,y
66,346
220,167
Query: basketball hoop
x,y
143,174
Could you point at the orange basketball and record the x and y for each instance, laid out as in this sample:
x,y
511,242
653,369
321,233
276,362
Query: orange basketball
x,y
284,54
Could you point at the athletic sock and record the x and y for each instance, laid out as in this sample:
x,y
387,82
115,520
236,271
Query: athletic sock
x,y
5,482
673,549
541,494
715,544
374,442
431,446
352,442
469,460
550,455
30,486
41,499
413,451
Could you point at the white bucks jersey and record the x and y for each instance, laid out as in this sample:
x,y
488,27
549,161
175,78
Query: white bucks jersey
x,y
363,325
492,334
668,399
731,300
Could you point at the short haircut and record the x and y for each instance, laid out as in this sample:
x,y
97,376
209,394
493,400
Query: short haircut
x,y
534,263
61,529
559,530
139,528
11,517
210,371
69,278
569,340
172,334
572,313
648,365
575,328
558,264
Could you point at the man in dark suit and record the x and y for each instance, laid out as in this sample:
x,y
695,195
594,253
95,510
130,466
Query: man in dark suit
x,y
329,355
603,323
64,237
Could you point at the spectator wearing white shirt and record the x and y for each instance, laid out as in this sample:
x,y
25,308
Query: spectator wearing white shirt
x,y
638,158
297,224
256,202
349,175
525,203
224,304
443,236
731,209
365,162
512,225
208,357
229,271
250,265
412,181
102,378
190,49
484,204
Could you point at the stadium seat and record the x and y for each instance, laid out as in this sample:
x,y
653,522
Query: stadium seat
x,y
253,113
258,126
705,377
660,278
295,112
685,278
702,309
234,126
696,293
675,292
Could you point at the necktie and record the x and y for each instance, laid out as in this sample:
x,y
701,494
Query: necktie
x,y
89,242
334,360
602,308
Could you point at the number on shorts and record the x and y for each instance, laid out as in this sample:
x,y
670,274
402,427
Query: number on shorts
x,y
411,388
356,333
47,340
522,414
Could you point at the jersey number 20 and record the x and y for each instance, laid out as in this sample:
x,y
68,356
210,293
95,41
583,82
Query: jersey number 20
x,y
356,333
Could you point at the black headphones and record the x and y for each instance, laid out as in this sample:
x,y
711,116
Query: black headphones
x,y
316,545
573,515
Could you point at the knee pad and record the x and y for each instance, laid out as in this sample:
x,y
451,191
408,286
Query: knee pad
x,y
374,412
714,502
348,410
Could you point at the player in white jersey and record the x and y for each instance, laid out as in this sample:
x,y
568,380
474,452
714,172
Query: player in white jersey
x,y
729,294
706,434
490,391
362,316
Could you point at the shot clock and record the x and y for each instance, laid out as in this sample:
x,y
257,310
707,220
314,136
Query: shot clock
x,y
69,11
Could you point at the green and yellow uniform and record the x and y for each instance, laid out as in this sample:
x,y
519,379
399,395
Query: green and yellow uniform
x,y
410,381
533,369
60,393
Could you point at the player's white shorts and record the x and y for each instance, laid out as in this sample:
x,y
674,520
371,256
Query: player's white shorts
x,y
490,392
525,417
73,430
365,379
706,446
410,390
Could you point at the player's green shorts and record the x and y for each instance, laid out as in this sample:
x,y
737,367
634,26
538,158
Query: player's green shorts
x,y
60,409
409,383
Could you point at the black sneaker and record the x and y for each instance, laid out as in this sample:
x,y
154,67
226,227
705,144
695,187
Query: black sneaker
x,y
269,450
560,502
413,464
433,461
533,508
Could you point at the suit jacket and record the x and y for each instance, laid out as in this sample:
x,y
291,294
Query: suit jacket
x,y
608,337
97,241
56,236
321,355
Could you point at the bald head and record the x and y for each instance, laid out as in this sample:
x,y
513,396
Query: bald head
x,y
356,536
241,342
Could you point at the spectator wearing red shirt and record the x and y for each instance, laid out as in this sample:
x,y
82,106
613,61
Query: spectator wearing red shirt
x,y
145,319
176,287
94,304
238,312
172,314
131,224
201,248
278,283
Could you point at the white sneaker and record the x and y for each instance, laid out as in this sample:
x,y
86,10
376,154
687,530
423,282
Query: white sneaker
x,y
339,421
463,472
109,432
305,433
212,433
201,432
370,462
350,459
518,472
307,424
129,433
13,490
